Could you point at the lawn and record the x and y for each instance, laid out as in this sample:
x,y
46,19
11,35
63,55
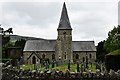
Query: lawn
x,y
62,67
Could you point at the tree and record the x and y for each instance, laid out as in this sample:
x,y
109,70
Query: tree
x,y
8,31
5,41
101,51
113,41
20,43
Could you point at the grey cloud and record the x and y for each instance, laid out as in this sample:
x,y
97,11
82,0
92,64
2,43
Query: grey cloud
x,y
88,19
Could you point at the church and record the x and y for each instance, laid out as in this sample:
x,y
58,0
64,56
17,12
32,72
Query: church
x,y
62,49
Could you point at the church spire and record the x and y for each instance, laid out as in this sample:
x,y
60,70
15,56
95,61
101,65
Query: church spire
x,y
64,20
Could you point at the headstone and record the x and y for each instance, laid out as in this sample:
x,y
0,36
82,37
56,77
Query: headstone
x,y
69,65
47,65
86,62
98,73
112,74
67,73
118,74
53,64
35,67
78,67
82,67
89,74
21,60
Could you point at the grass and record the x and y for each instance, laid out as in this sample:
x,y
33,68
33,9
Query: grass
x,y
62,67
116,52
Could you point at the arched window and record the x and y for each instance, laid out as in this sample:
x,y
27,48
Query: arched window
x,y
33,60
83,59
77,56
43,56
90,56
53,56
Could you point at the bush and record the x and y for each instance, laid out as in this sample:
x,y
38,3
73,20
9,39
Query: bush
x,y
112,60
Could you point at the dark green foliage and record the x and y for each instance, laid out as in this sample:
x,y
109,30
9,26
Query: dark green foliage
x,y
113,41
101,52
5,39
5,44
112,62
20,43
110,44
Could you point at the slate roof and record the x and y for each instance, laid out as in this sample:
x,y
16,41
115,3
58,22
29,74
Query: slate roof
x,y
40,45
49,45
64,20
83,46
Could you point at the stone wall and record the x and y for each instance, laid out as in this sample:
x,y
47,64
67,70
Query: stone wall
x,y
64,45
78,56
48,55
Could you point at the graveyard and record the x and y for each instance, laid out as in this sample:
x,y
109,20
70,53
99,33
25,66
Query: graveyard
x,y
61,58
62,67
53,72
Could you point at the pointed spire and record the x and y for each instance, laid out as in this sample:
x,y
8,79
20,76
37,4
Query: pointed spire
x,y
64,20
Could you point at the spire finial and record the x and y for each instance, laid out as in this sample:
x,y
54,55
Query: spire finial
x,y
64,20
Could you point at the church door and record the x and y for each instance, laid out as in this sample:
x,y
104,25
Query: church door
x,y
33,60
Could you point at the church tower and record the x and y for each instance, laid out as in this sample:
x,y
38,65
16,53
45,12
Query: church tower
x,y
64,39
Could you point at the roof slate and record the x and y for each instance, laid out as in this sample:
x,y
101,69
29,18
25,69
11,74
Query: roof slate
x,y
64,20
40,45
49,45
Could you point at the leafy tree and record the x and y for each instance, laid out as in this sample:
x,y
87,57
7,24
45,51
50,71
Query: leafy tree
x,y
101,51
5,44
20,43
113,41
5,41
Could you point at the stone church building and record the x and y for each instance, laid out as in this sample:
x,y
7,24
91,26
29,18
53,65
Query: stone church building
x,y
62,49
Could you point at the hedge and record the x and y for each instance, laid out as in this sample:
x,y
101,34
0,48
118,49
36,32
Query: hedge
x,y
112,60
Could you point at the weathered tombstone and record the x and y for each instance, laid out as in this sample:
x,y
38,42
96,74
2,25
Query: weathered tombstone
x,y
35,67
89,74
69,65
44,63
78,67
18,65
21,60
112,74
47,65
90,64
67,73
53,64
82,67
118,74
86,62
98,74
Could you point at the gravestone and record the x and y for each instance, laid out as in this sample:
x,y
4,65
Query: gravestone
x,y
69,65
78,67
53,64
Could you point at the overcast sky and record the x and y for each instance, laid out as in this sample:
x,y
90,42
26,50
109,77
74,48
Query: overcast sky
x,y
89,20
